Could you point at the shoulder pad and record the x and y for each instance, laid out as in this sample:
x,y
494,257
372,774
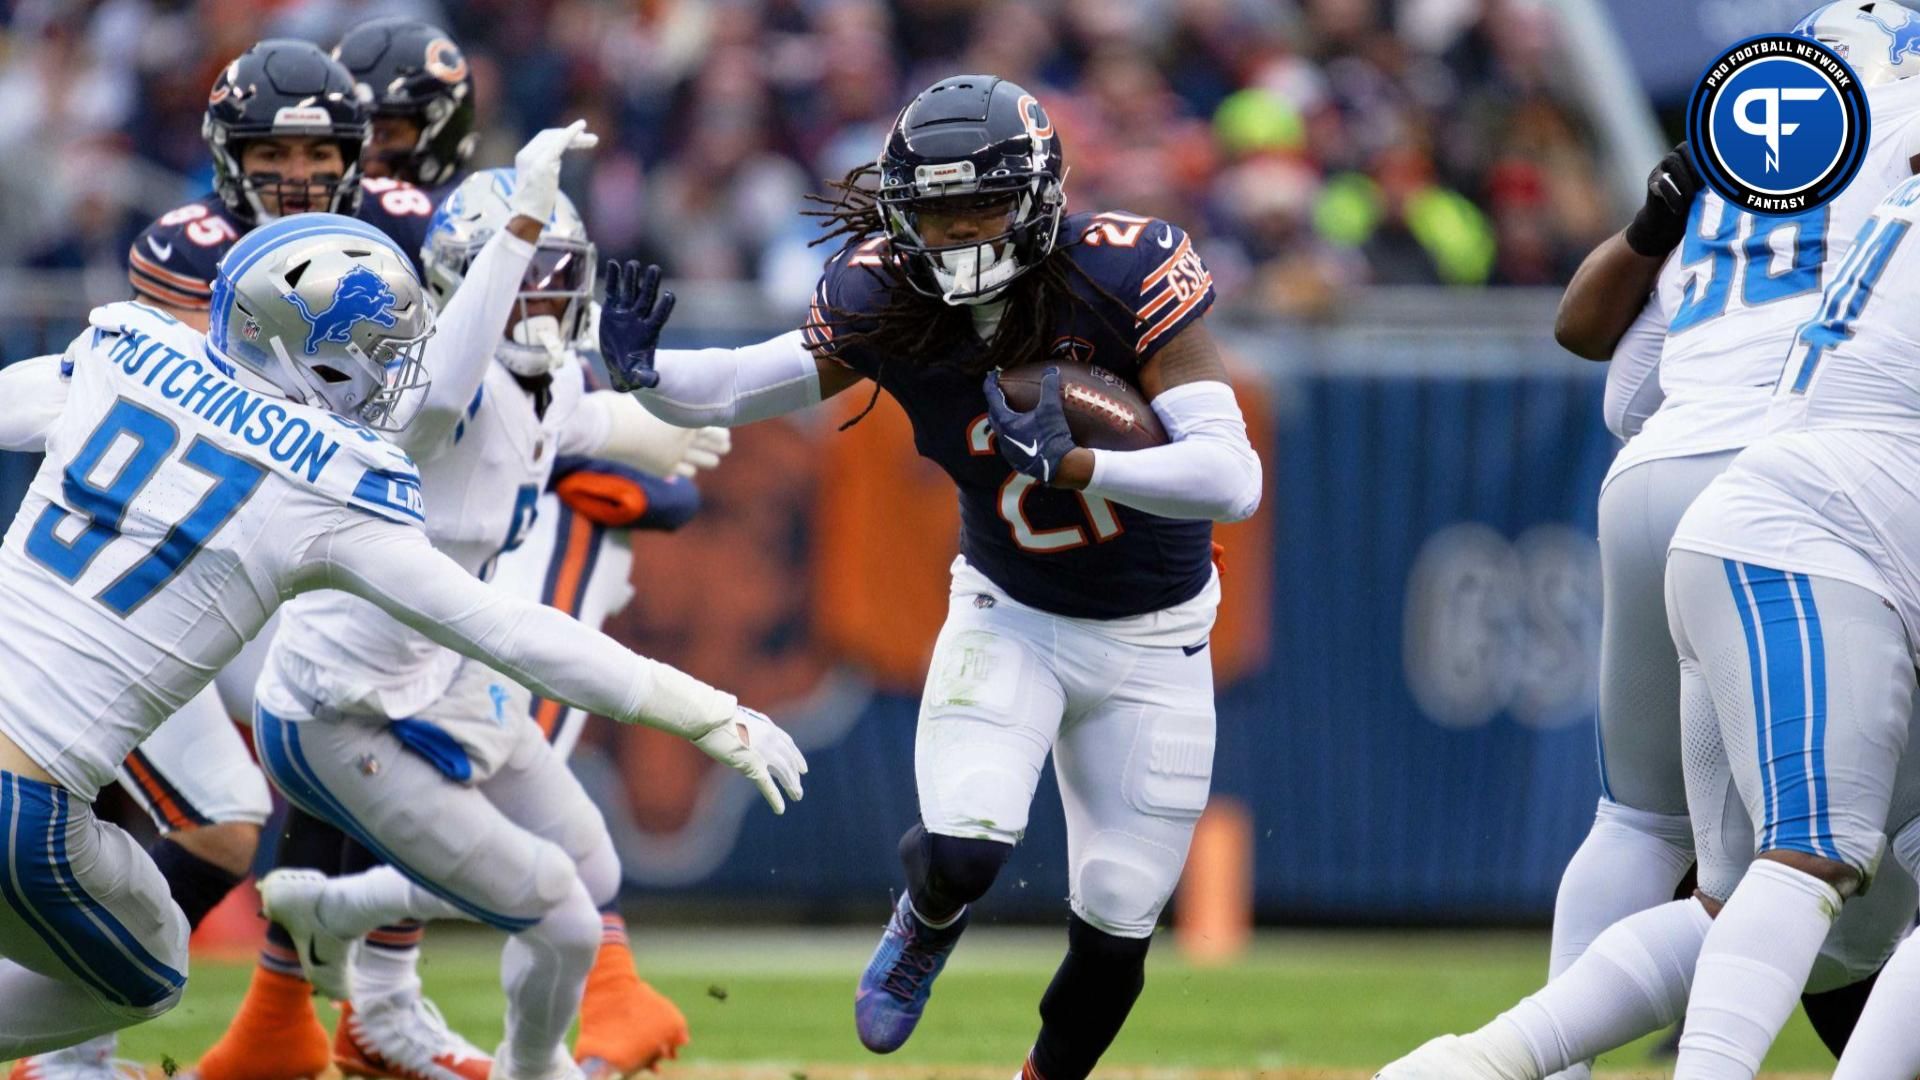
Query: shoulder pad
x,y
173,260
123,316
852,286
372,474
1146,264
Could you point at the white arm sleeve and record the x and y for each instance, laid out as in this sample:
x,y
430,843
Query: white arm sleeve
x,y
550,653
1209,470
591,424
464,341
33,393
615,427
730,387
1633,374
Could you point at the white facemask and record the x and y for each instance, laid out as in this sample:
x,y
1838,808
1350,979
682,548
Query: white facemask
x,y
534,346
975,269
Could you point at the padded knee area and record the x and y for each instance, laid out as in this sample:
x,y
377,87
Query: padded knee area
x,y
599,869
1120,884
945,873
572,924
550,884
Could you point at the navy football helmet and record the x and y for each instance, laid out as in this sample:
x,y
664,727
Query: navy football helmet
x,y
284,88
970,143
412,69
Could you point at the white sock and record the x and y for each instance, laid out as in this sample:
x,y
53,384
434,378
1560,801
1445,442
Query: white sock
x,y
1630,982
544,970
387,964
1630,861
1751,970
1886,1042
357,903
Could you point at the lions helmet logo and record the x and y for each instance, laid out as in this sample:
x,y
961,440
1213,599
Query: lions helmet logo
x,y
1906,36
362,295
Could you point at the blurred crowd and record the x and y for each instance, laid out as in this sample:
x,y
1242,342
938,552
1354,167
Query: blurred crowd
x,y
1310,145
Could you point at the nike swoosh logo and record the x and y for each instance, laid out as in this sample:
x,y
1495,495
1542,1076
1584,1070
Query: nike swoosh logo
x,y
313,959
1192,649
165,251
1165,239
1031,451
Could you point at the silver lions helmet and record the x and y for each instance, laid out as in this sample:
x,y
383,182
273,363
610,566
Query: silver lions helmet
x,y
551,314
1879,38
329,311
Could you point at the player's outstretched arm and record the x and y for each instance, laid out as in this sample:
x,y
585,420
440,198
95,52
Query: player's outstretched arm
x,y
615,427
33,393
1612,283
466,332
1209,470
395,567
701,387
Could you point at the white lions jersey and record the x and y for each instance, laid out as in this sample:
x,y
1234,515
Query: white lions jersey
x,y
481,487
1833,491
1739,287
176,507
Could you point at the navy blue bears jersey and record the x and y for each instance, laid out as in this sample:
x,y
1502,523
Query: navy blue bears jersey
x,y
172,261
1060,551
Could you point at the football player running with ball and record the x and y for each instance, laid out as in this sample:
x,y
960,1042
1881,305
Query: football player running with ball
x,y
1085,590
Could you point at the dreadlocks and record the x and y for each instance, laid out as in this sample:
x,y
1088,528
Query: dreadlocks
x,y
911,327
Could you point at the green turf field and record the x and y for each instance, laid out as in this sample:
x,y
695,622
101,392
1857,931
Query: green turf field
x,y
778,1004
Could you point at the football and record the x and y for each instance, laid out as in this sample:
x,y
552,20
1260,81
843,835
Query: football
x,y
1104,411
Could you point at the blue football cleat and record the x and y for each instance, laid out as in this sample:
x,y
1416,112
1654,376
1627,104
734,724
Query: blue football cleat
x,y
899,979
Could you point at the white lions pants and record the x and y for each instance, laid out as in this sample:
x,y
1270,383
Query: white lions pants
x,y
504,844
90,941
1124,705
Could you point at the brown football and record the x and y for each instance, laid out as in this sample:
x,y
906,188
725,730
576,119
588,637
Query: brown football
x,y
1104,411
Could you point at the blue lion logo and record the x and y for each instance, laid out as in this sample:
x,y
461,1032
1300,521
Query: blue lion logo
x,y
361,295
1906,36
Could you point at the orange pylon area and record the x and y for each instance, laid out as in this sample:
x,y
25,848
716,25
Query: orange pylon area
x,y
1213,912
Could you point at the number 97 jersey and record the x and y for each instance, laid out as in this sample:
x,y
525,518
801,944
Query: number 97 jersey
x,y
175,509
1740,285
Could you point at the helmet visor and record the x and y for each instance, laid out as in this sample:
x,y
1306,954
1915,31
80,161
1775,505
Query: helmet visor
x,y
560,268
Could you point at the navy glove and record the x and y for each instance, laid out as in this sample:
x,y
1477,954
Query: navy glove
x,y
630,323
1032,442
1662,222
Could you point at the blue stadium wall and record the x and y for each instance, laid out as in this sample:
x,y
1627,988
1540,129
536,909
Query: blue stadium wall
x,y
1417,746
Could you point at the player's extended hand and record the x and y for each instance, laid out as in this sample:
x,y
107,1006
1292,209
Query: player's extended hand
x,y
1662,222
705,449
756,748
536,169
631,318
1032,442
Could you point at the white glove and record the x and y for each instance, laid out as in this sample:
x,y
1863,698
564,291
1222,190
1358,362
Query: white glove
x,y
756,748
536,169
704,451
637,438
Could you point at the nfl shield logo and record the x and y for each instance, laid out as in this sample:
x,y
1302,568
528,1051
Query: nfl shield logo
x,y
250,330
